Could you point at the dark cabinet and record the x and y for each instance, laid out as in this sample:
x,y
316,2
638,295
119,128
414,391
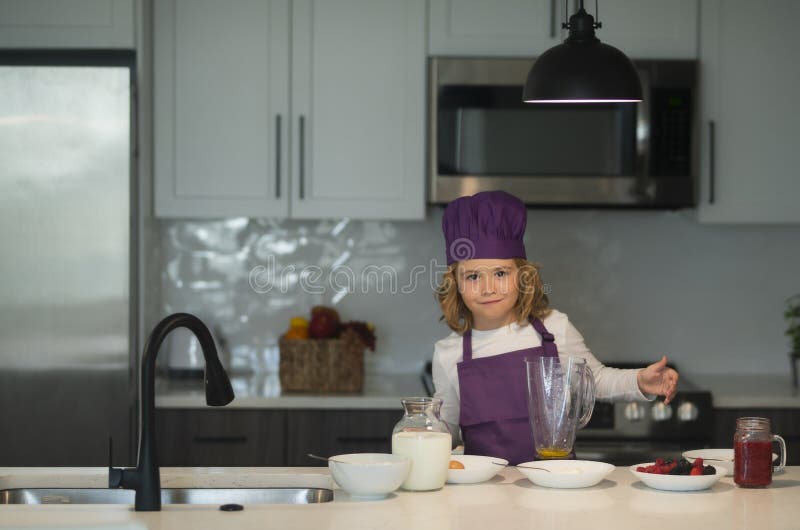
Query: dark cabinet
x,y
189,437
785,422
335,432
269,437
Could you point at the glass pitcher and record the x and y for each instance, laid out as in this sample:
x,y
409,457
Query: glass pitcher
x,y
424,438
561,396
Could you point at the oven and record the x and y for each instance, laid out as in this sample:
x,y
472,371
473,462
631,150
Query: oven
x,y
626,433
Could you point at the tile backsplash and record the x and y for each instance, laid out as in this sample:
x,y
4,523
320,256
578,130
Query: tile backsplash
x,y
636,284
247,277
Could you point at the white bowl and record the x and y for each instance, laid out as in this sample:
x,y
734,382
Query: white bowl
x,y
566,473
720,457
677,482
476,469
369,475
716,457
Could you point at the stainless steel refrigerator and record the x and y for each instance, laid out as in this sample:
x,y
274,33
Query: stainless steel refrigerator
x,y
67,354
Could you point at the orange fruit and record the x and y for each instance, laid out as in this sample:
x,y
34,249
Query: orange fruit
x,y
455,464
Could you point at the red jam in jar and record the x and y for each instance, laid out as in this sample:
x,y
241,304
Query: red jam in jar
x,y
752,463
752,452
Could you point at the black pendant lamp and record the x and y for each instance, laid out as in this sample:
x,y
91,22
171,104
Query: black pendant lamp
x,y
582,69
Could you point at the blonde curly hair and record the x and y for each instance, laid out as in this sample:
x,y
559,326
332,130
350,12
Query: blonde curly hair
x,y
531,300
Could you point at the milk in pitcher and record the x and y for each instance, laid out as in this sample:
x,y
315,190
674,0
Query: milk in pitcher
x,y
429,453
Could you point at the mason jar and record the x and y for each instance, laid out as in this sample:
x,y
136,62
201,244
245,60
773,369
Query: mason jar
x,y
425,439
752,452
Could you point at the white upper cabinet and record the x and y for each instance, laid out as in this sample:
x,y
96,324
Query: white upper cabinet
x,y
57,24
498,27
221,108
331,126
358,109
749,129
640,28
649,29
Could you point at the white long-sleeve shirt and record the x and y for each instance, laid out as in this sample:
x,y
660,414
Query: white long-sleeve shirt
x,y
612,384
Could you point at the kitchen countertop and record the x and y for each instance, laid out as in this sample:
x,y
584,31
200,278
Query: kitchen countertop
x,y
264,391
508,501
383,391
749,391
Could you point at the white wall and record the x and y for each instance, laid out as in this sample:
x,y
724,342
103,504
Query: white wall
x,y
636,283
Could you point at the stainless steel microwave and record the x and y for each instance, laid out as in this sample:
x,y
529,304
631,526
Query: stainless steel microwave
x,y
482,137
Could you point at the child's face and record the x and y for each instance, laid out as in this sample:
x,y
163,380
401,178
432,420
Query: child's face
x,y
489,289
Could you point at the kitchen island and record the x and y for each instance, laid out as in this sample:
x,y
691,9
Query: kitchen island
x,y
509,501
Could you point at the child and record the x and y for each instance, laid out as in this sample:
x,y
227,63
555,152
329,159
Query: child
x,y
492,299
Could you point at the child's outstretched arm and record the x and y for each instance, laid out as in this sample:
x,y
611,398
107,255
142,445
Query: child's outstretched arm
x,y
658,379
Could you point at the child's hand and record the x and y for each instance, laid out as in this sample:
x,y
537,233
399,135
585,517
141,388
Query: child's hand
x,y
658,379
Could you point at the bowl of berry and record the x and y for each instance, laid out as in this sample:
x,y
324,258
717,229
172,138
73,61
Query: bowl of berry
x,y
680,475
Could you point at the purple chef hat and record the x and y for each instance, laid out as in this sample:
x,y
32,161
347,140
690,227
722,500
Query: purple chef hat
x,y
489,224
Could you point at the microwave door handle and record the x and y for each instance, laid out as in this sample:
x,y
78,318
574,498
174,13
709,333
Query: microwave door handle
x,y
553,10
711,162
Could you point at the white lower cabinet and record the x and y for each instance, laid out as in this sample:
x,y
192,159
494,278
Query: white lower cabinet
x,y
749,131
301,108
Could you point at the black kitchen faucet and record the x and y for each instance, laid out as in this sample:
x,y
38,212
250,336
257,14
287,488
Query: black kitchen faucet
x,y
145,478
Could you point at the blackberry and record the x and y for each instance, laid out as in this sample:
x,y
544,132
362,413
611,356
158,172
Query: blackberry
x,y
684,467
709,470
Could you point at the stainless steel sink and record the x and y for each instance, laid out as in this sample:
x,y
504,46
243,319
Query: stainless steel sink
x,y
168,496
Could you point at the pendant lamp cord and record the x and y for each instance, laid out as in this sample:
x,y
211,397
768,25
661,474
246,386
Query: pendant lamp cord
x,y
597,23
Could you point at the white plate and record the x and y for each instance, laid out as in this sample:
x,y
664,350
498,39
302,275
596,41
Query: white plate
x,y
677,482
476,469
566,473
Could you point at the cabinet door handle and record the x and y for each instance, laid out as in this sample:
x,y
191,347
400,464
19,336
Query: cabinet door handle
x,y
220,439
711,161
553,10
302,149
278,156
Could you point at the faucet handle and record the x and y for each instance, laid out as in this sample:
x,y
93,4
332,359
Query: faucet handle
x,y
114,475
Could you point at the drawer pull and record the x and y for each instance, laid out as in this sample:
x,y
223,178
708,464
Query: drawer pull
x,y
220,439
362,439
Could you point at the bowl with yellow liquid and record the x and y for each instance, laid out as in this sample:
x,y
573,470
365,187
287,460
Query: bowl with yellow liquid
x,y
568,474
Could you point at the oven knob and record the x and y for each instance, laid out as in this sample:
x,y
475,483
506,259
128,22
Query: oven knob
x,y
688,411
634,412
661,411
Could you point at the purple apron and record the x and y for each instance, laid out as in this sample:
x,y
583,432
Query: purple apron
x,y
494,400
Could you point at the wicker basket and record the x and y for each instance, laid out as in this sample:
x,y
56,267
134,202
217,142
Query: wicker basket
x,y
322,365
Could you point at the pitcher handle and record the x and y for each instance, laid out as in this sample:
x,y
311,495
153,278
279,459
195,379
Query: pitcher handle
x,y
588,398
